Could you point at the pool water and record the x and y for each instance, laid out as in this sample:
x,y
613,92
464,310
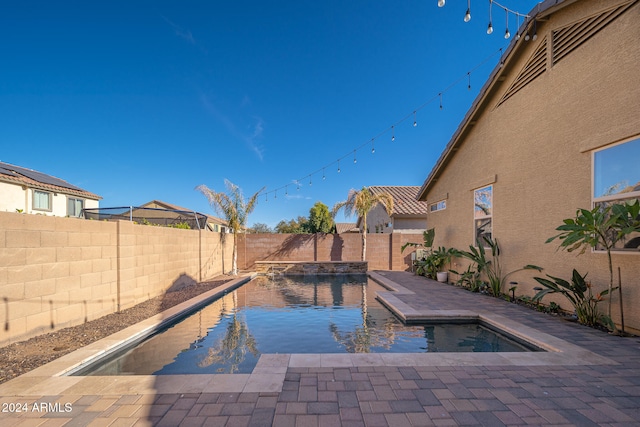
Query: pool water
x,y
305,314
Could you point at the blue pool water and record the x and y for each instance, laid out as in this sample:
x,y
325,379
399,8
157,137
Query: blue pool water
x,y
306,314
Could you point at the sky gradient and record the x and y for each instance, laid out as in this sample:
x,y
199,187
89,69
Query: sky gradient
x,y
144,100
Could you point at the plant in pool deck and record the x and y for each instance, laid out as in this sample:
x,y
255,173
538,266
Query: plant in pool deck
x,y
421,264
579,294
603,226
470,279
491,267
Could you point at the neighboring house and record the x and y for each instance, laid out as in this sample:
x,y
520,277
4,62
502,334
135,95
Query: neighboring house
x,y
409,215
33,192
346,227
555,128
213,223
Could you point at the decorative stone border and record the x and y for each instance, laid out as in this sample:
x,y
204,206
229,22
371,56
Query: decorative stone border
x,y
311,267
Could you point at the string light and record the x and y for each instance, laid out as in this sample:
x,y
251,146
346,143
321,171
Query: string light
x,y
501,58
372,140
507,34
518,26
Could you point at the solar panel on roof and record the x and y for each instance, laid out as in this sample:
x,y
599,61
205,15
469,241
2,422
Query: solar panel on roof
x,y
36,176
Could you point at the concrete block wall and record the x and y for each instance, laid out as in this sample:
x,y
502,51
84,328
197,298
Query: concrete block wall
x,y
57,272
383,250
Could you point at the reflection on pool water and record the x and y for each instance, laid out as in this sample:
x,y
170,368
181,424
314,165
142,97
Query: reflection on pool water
x,y
305,314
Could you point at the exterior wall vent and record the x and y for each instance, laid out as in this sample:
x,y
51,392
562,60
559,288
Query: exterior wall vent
x,y
568,38
536,65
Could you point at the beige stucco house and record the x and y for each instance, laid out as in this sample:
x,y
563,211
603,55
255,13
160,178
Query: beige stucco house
x,y
29,191
409,215
555,128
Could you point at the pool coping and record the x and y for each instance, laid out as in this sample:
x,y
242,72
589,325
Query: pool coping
x,y
269,373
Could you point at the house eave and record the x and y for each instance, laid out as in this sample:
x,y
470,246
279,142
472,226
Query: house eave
x,y
540,12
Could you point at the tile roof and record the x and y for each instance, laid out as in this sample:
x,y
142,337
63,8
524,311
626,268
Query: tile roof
x,y
34,179
405,199
346,227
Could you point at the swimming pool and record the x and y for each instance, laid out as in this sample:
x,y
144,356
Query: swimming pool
x,y
285,314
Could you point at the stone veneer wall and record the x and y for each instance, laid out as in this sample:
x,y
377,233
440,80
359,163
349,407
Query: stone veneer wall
x,y
58,272
307,267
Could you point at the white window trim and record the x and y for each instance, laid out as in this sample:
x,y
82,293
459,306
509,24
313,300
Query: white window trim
x,y
475,242
435,204
620,196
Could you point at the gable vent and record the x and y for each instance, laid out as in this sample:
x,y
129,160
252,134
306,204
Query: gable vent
x,y
568,38
536,65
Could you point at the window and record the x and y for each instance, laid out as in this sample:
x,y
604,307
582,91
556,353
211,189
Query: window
x,y
438,206
74,206
616,179
483,213
41,200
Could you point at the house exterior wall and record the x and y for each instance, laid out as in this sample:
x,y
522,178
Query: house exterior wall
x,y
12,197
15,197
59,272
380,222
536,150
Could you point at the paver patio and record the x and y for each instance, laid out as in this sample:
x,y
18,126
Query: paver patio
x,y
365,390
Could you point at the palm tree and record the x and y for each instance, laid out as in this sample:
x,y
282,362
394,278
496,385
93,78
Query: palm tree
x,y
361,202
235,209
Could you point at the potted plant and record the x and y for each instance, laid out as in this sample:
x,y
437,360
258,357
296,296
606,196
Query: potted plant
x,y
442,257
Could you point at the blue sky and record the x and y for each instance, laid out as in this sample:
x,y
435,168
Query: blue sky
x,y
143,100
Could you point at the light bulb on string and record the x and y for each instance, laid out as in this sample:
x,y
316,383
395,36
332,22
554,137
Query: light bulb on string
x,y
310,183
354,157
393,134
298,185
507,34
467,16
441,3
373,148
440,94
338,166
490,27
469,77
518,26
501,58
286,190
275,194
415,121
323,176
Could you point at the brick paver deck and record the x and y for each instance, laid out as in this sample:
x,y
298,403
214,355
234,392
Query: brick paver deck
x,y
381,395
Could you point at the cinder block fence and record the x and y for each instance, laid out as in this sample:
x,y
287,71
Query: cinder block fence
x,y
58,272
